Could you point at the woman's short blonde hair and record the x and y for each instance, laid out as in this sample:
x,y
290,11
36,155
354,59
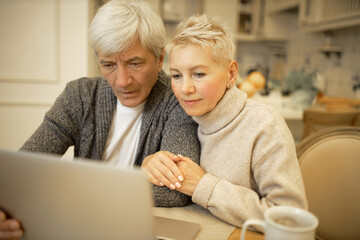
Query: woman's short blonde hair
x,y
205,32
118,23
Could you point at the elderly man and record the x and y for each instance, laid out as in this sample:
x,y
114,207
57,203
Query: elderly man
x,y
127,116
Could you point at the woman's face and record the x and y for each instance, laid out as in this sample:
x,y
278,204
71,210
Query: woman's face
x,y
197,80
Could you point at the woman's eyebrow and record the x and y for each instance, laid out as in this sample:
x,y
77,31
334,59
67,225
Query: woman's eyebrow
x,y
198,66
191,68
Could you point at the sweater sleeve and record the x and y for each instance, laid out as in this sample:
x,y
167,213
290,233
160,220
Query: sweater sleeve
x,y
268,175
279,183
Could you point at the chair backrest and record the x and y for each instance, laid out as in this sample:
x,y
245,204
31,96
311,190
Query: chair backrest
x,y
330,164
316,119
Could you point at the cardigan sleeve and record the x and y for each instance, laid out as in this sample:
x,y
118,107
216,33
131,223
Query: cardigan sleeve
x,y
60,125
179,137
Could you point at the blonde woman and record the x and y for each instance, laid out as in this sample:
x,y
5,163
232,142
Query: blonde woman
x,y
248,161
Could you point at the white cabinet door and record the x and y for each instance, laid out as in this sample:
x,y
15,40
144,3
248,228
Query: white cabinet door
x,y
322,15
43,45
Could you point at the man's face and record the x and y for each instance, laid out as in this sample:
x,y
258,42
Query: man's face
x,y
131,73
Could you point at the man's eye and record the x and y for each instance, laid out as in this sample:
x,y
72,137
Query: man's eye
x,y
108,66
137,66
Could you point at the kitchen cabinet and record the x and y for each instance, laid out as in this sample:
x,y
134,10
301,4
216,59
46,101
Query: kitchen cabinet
x,y
249,17
278,6
242,17
324,15
250,20
173,11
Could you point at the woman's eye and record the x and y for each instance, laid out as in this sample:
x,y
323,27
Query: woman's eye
x,y
175,76
199,75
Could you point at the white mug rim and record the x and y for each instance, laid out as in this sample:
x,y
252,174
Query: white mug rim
x,y
287,228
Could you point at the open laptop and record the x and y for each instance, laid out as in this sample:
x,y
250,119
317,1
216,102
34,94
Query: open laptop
x,y
59,199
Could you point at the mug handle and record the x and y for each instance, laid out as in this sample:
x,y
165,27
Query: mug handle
x,y
249,223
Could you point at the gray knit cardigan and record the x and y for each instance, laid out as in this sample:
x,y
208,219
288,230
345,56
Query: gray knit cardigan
x,y
81,116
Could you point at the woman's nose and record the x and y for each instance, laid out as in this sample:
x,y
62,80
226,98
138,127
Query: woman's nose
x,y
188,86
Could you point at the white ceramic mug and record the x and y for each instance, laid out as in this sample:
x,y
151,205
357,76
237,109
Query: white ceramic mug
x,y
284,223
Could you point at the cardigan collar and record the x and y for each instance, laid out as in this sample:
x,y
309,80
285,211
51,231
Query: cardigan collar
x,y
225,111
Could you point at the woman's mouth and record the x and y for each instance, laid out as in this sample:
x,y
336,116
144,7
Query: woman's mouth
x,y
191,102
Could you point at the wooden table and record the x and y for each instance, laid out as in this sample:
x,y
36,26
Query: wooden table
x,y
250,235
211,226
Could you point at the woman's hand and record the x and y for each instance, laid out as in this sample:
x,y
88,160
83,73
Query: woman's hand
x,y
192,174
162,170
9,228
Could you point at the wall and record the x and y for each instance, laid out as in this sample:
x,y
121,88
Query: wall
x,y
43,46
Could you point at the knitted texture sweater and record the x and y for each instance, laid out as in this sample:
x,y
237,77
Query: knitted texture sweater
x,y
249,157
81,117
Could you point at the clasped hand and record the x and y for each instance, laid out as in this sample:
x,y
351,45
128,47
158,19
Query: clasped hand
x,y
174,171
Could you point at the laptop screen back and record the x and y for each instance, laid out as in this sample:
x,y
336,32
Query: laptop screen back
x,y
59,199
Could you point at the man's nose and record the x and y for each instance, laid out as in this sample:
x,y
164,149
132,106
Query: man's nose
x,y
123,78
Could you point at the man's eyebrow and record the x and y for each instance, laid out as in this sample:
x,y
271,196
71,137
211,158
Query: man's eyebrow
x,y
136,58
106,61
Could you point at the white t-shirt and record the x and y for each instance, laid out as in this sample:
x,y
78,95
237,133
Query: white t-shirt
x,y
123,138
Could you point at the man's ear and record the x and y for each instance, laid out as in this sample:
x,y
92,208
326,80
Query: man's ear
x,y
233,72
161,60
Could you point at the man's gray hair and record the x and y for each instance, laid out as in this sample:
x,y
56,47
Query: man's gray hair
x,y
119,23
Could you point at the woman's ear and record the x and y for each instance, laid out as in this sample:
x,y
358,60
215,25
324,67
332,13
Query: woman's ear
x,y
233,72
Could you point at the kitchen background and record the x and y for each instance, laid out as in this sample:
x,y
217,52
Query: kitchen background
x,y
44,45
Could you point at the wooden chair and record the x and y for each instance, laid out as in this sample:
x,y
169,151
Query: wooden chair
x,y
330,164
315,119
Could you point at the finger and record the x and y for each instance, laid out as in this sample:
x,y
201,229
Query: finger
x,y
153,180
166,167
175,158
183,158
9,225
161,166
159,175
170,164
2,216
11,234
168,173
154,175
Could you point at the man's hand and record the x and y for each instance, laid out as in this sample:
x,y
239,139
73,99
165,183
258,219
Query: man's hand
x,y
192,174
162,170
9,228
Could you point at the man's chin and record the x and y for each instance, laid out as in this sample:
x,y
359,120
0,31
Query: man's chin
x,y
130,102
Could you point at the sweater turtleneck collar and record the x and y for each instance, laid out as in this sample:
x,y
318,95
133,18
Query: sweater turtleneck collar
x,y
228,107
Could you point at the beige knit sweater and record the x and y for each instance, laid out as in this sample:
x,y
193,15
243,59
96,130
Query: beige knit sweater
x,y
249,157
